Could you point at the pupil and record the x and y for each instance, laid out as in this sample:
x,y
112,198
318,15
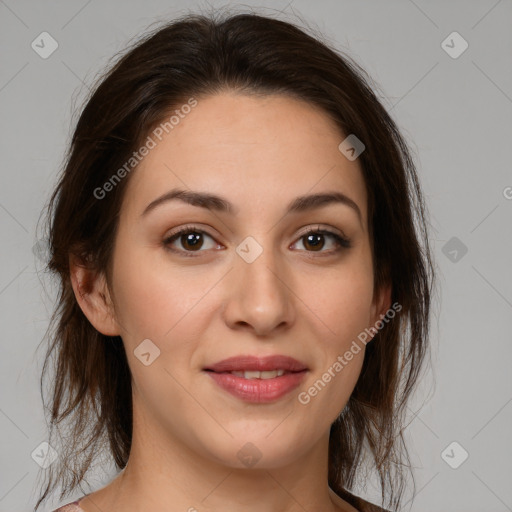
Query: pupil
x,y
319,244
192,240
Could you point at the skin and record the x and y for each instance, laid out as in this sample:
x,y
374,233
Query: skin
x,y
259,153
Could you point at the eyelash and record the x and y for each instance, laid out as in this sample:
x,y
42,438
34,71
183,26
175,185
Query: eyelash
x,y
343,243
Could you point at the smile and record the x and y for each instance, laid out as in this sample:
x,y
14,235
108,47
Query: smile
x,y
258,379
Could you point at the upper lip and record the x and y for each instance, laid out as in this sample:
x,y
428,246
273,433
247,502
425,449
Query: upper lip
x,y
254,363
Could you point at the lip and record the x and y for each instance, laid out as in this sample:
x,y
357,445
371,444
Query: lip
x,y
258,390
253,363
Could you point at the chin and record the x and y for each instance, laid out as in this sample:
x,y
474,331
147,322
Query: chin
x,y
261,449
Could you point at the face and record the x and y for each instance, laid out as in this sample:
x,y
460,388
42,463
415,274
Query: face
x,y
267,275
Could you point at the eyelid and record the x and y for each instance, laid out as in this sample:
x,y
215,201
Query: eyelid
x,y
322,228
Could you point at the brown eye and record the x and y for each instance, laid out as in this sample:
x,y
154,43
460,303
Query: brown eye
x,y
190,239
315,241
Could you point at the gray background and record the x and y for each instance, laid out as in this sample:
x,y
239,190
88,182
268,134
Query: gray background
x,y
455,112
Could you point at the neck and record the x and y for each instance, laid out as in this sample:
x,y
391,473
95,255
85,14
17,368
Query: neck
x,y
164,474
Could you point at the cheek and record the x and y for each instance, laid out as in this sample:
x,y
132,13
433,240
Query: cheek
x,y
342,303
159,306
155,301
341,308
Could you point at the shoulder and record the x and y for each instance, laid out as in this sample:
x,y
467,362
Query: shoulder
x,y
367,506
70,507
359,503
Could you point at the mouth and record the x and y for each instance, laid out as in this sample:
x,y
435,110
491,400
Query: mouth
x,y
271,374
248,363
256,379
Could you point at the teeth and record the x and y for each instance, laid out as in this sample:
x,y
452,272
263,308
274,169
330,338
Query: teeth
x,y
253,375
259,375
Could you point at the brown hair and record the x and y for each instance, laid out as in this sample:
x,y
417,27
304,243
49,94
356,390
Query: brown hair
x,y
199,55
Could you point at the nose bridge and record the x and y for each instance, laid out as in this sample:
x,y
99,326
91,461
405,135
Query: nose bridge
x,y
260,264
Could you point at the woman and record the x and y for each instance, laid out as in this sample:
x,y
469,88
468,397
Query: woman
x,y
240,238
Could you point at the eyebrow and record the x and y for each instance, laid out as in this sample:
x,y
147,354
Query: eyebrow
x,y
219,204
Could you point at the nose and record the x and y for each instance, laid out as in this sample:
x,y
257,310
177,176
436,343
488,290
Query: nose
x,y
259,295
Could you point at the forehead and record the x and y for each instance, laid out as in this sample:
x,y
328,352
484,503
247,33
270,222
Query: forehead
x,y
260,152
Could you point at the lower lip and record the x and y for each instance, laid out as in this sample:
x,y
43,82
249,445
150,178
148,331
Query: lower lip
x,y
258,390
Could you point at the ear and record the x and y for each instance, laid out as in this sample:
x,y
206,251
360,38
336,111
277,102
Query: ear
x,y
93,297
381,303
